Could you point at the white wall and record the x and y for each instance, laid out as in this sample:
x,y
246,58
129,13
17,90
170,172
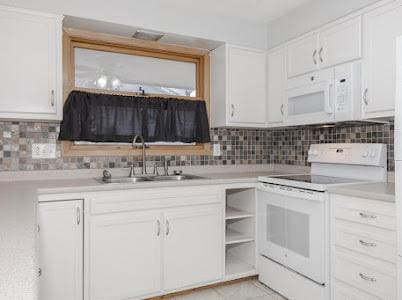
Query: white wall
x,y
155,15
310,16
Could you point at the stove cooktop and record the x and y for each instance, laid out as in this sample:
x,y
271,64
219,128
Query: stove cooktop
x,y
308,181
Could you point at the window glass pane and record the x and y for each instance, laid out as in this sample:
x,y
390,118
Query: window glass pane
x,y
125,72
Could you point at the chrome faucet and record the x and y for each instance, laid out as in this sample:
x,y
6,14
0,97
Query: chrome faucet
x,y
143,146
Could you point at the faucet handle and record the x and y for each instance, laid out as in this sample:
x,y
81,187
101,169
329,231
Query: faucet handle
x,y
156,172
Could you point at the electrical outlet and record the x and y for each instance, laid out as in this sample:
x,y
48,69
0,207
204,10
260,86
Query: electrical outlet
x,y
217,149
43,151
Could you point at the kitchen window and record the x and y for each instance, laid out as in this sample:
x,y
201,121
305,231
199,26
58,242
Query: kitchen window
x,y
107,64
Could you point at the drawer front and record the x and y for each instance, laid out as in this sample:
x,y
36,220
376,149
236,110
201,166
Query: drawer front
x,y
365,278
344,292
366,217
153,199
367,243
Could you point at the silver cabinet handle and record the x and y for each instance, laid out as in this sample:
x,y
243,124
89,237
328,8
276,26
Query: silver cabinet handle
x,y
367,244
78,216
233,110
167,227
39,272
314,57
364,277
158,225
282,111
365,98
367,216
320,54
52,98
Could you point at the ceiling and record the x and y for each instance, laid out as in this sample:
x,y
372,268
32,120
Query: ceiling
x,y
252,10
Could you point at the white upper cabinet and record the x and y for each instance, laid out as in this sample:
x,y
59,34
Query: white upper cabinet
x,y
61,250
30,65
381,28
276,84
303,56
238,87
331,46
340,43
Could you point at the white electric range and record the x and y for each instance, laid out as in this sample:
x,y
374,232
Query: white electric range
x,y
293,216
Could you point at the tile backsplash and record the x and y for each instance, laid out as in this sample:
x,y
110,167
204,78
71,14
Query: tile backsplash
x,y
238,146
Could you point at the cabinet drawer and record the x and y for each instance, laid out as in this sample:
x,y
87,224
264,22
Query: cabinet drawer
x,y
342,291
157,198
369,242
365,217
365,276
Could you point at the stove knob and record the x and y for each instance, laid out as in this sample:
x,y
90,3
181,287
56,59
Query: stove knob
x,y
365,154
373,153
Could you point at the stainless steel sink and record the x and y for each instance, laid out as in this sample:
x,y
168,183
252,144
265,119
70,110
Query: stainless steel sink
x,y
135,179
176,177
125,179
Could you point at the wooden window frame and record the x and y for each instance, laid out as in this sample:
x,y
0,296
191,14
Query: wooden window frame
x,y
73,38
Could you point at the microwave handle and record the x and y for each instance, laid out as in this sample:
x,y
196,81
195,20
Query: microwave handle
x,y
328,98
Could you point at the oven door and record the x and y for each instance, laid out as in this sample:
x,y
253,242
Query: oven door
x,y
291,229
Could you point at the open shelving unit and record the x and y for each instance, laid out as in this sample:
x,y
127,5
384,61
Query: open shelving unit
x,y
240,237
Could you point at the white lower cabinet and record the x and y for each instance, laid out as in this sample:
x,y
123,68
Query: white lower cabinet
x,y
166,244
193,249
61,250
363,256
124,255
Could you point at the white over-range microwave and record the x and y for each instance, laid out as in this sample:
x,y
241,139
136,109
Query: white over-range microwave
x,y
326,96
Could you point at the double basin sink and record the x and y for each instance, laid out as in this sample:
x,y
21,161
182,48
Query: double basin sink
x,y
135,179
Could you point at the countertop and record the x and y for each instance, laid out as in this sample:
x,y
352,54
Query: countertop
x,y
382,191
18,221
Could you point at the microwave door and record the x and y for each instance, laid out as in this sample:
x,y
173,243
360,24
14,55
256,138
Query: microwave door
x,y
310,104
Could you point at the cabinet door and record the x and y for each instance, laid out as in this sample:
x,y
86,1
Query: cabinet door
x,y
381,28
303,56
61,250
276,85
247,86
341,43
193,246
124,255
30,55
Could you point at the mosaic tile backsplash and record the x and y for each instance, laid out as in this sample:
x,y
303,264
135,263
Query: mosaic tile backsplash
x,y
238,146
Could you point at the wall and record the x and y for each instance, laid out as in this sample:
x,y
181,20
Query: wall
x,y
310,16
156,15
238,146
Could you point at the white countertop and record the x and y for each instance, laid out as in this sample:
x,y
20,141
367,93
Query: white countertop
x,y
382,191
18,219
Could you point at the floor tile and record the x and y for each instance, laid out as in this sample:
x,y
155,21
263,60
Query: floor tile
x,y
240,291
208,294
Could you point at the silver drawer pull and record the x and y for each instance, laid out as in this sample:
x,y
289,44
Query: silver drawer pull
x,y
167,227
367,244
39,272
158,225
364,277
367,216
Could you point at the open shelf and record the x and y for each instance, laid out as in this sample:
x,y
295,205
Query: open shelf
x,y
234,266
235,213
235,237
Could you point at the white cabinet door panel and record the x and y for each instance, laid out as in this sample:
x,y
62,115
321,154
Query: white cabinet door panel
x,y
276,85
381,28
193,246
30,60
247,86
303,56
61,250
341,43
124,255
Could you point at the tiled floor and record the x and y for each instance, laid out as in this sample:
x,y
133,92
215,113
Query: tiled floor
x,y
244,290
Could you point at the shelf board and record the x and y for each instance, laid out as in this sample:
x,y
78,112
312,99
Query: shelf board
x,y
236,267
234,213
235,237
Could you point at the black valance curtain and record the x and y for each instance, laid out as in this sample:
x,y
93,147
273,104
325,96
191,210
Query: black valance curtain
x,y
114,118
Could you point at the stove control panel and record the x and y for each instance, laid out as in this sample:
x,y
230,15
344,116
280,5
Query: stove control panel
x,y
351,154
